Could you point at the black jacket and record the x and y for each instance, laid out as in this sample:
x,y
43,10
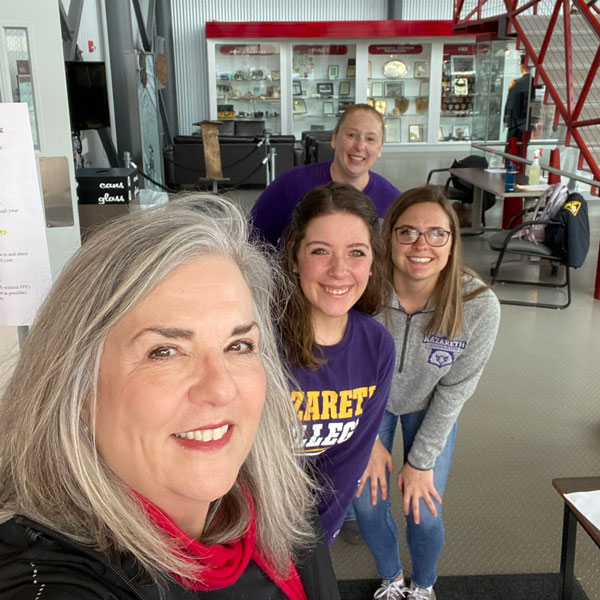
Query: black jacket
x,y
37,563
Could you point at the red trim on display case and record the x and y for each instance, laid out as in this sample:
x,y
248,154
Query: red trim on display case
x,y
329,29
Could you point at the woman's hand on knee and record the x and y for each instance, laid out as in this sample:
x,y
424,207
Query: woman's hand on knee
x,y
375,472
414,485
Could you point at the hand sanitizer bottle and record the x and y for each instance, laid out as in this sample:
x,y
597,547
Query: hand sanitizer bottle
x,y
534,169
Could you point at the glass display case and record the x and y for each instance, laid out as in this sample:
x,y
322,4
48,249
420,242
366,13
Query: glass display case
x,y
429,91
323,85
398,87
248,83
458,92
490,91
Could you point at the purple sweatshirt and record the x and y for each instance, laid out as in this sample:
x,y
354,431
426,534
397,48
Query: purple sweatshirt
x,y
273,210
341,406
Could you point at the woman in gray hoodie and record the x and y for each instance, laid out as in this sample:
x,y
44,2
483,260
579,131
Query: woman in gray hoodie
x,y
444,320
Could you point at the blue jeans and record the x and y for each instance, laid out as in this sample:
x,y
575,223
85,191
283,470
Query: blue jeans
x,y
377,525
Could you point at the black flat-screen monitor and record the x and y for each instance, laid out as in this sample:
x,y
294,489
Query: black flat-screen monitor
x,y
88,95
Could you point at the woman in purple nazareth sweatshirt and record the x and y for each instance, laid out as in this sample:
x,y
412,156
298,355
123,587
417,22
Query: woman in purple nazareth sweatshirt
x,y
340,358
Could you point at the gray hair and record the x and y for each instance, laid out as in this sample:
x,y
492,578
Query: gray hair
x,y
50,469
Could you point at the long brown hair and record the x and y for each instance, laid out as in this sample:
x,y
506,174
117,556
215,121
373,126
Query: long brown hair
x,y
298,337
449,293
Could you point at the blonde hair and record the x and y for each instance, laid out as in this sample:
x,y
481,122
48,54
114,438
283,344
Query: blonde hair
x,y
356,108
50,469
449,294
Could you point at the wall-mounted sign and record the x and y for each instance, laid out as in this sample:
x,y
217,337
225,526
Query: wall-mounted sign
x,y
248,49
460,49
24,264
395,49
323,49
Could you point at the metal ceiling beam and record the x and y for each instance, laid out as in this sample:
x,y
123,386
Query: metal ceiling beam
x,y
146,43
69,24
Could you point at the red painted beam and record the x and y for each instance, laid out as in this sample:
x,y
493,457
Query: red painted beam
x,y
587,85
585,123
328,29
568,58
549,32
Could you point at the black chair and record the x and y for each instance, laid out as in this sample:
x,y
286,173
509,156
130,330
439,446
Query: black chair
x,y
458,189
566,244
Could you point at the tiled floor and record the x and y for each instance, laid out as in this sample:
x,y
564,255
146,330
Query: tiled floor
x,y
534,416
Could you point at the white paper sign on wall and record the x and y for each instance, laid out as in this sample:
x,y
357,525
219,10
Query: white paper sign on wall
x,y
24,264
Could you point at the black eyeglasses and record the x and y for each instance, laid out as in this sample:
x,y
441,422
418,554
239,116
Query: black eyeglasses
x,y
434,237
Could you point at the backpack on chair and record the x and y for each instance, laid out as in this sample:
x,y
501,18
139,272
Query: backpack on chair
x,y
464,188
546,208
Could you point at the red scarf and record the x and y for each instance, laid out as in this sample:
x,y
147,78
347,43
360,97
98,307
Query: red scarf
x,y
222,565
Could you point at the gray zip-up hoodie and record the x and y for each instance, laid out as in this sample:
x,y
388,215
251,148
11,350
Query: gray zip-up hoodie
x,y
437,373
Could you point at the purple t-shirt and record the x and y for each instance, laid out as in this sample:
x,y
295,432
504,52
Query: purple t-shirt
x,y
273,210
341,406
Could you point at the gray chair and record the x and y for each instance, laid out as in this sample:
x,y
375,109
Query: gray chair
x,y
565,245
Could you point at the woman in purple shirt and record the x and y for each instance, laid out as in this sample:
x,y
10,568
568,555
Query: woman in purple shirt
x,y
357,141
340,358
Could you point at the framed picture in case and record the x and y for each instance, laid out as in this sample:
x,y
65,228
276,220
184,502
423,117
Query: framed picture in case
x,y
351,68
415,133
392,130
325,90
461,86
421,70
377,89
424,88
328,108
344,89
297,88
333,71
299,106
463,64
394,90
343,105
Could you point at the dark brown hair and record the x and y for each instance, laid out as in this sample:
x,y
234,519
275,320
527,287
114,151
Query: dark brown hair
x,y
297,332
449,293
356,107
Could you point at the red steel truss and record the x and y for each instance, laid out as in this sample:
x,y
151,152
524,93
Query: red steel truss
x,y
471,14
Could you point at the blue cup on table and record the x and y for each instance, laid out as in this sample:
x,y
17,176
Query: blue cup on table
x,y
509,177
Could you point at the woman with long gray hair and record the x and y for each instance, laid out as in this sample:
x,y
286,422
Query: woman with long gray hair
x,y
146,434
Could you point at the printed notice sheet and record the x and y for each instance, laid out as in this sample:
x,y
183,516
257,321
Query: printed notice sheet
x,y
588,504
24,264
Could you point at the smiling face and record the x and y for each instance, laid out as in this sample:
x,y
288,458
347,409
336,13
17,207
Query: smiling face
x,y
357,145
420,262
181,390
334,260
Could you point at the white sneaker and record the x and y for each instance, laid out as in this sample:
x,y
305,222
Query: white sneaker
x,y
418,593
391,590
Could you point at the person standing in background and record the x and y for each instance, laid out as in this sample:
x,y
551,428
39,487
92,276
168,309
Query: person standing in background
x,y
357,141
